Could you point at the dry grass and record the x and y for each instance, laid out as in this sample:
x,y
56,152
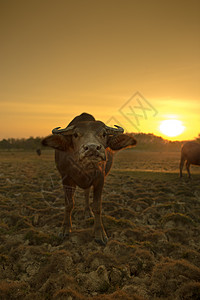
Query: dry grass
x,y
150,215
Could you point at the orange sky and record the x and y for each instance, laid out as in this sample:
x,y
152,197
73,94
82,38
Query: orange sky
x,y
60,58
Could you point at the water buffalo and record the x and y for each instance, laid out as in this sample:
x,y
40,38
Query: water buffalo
x,y
83,156
190,153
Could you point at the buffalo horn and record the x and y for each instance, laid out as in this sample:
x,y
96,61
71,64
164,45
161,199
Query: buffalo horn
x,y
65,131
111,130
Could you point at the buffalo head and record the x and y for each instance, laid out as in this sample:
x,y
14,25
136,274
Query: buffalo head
x,y
89,140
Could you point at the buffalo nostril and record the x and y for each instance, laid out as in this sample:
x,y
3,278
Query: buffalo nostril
x,y
92,147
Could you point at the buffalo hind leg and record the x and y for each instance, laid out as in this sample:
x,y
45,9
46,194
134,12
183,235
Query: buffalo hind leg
x,y
69,205
188,168
88,212
99,232
181,165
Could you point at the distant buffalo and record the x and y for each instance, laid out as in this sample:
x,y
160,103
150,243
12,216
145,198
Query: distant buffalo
x,y
83,156
190,153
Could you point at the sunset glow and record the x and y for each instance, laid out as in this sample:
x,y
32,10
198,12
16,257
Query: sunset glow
x,y
171,128
60,59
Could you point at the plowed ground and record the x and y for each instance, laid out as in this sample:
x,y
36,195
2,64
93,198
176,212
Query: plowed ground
x,y
152,219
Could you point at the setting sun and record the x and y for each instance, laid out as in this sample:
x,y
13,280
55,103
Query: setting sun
x,y
171,128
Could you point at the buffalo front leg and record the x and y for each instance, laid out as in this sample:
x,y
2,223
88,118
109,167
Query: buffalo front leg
x,y
69,205
87,213
99,232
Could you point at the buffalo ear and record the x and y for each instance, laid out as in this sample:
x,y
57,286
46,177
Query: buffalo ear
x,y
120,141
57,141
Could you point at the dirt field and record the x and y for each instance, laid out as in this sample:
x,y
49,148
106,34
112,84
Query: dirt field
x,y
152,219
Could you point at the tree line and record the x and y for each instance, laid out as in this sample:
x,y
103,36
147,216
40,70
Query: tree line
x,y
145,141
21,144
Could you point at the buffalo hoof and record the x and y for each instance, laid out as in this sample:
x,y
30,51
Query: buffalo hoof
x,y
101,242
100,236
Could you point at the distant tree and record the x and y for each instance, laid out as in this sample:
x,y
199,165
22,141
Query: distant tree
x,y
24,144
5,144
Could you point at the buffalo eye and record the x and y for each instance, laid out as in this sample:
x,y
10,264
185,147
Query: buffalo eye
x,y
104,134
75,134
